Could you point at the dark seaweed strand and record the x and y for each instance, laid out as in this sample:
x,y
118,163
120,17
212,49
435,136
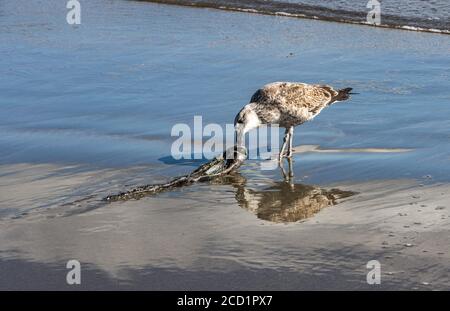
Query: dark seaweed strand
x,y
198,175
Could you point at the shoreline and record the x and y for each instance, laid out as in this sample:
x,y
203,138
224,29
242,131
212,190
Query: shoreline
x,y
282,9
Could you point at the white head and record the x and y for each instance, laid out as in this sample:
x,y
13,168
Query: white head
x,y
246,120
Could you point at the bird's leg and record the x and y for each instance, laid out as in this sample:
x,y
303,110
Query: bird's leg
x,y
283,172
291,172
285,142
291,135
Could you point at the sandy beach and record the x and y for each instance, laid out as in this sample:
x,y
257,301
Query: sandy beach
x,y
136,69
219,243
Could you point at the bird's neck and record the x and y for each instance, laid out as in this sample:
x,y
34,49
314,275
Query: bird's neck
x,y
240,139
252,121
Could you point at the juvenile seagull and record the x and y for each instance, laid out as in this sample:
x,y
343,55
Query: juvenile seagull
x,y
287,104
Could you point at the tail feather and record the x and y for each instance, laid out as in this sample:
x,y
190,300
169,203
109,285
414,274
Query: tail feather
x,y
343,94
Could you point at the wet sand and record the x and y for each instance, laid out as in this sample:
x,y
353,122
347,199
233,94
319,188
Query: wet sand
x,y
230,235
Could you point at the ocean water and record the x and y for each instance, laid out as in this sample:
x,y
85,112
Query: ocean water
x,y
108,92
420,9
88,110
418,15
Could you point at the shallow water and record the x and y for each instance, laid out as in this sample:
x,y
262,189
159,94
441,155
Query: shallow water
x,y
88,111
107,93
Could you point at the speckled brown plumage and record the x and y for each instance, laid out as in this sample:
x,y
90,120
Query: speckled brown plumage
x,y
286,104
290,103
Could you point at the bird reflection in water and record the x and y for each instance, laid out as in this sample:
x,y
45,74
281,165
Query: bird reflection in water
x,y
284,201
